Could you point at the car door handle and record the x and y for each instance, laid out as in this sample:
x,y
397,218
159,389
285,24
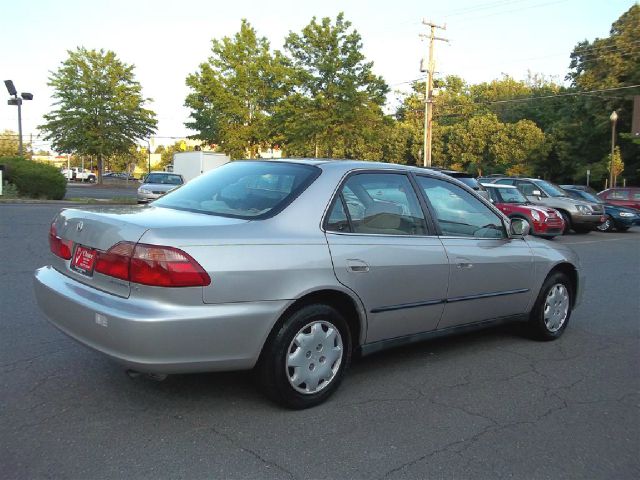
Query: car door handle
x,y
463,263
357,266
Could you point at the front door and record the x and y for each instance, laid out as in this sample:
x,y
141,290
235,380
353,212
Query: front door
x,y
490,273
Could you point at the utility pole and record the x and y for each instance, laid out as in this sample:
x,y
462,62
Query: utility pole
x,y
428,91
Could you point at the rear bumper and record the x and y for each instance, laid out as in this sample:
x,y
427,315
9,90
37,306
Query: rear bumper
x,y
151,336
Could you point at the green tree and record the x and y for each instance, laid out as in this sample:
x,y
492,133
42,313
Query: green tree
x,y
334,105
234,93
9,145
99,108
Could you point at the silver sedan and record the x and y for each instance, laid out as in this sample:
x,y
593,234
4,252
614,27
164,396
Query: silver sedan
x,y
292,267
157,184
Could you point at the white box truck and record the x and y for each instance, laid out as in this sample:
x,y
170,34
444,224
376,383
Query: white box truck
x,y
192,164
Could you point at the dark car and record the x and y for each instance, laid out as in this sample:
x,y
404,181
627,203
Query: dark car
x,y
624,197
620,218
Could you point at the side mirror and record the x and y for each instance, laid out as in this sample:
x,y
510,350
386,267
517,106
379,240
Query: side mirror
x,y
519,227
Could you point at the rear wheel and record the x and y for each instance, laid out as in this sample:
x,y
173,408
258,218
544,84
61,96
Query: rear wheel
x,y
607,225
551,312
305,359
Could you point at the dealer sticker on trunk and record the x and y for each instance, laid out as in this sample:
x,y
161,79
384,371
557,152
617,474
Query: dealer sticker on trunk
x,y
84,260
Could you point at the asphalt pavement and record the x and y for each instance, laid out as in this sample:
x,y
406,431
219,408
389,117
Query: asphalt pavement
x,y
487,405
109,190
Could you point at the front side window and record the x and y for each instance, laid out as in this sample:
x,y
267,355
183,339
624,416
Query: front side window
x,y
377,203
459,213
242,189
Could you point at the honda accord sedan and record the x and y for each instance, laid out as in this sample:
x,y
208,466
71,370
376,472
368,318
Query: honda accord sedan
x,y
291,267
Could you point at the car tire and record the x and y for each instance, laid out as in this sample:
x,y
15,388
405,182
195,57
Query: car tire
x,y
551,312
567,223
306,356
607,225
622,229
92,179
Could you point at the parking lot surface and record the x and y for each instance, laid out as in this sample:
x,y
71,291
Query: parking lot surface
x,y
492,404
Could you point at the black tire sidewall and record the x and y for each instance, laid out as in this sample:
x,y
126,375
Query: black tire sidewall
x,y
538,327
567,223
272,370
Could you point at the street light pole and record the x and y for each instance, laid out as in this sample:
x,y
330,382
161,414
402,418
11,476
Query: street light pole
x,y
614,119
17,101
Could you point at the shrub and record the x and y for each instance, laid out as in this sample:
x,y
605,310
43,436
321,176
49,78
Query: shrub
x,y
33,179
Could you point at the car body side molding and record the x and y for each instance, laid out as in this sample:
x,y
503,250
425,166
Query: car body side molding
x,y
401,306
374,347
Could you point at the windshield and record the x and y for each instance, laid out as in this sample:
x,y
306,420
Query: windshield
x,y
550,189
508,195
163,179
243,189
582,195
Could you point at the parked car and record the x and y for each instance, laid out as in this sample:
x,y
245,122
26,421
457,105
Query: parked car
x,y
616,217
578,215
292,266
157,184
543,221
624,197
78,174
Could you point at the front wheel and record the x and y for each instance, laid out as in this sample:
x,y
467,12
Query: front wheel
x,y
567,223
306,358
551,312
607,225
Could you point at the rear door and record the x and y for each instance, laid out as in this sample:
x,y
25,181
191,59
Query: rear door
x,y
384,251
490,274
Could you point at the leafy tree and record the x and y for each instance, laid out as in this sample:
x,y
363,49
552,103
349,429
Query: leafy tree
x,y
99,108
9,144
617,164
334,106
235,91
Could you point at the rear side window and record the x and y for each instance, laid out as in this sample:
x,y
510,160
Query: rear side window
x,y
377,203
505,181
243,189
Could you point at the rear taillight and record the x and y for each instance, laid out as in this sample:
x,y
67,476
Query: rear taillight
x,y
153,265
60,248
115,261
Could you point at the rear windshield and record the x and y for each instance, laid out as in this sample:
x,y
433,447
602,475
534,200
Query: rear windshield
x,y
163,179
243,189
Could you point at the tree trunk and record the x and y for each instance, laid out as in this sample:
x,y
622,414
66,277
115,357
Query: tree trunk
x,y
100,169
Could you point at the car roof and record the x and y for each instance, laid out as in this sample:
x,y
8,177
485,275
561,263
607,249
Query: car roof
x,y
347,165
497,185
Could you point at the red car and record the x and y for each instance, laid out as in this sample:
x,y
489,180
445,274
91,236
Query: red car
x,y
623,197
544,221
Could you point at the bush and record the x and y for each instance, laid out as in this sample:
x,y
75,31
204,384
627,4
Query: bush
x,y
33,179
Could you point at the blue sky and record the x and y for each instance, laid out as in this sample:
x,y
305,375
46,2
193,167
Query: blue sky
x,y
167,40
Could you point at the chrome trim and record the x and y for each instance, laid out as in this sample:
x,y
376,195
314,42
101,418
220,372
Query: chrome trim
x,y
427,303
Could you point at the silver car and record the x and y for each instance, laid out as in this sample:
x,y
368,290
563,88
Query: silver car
x,y
157,184
292,267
